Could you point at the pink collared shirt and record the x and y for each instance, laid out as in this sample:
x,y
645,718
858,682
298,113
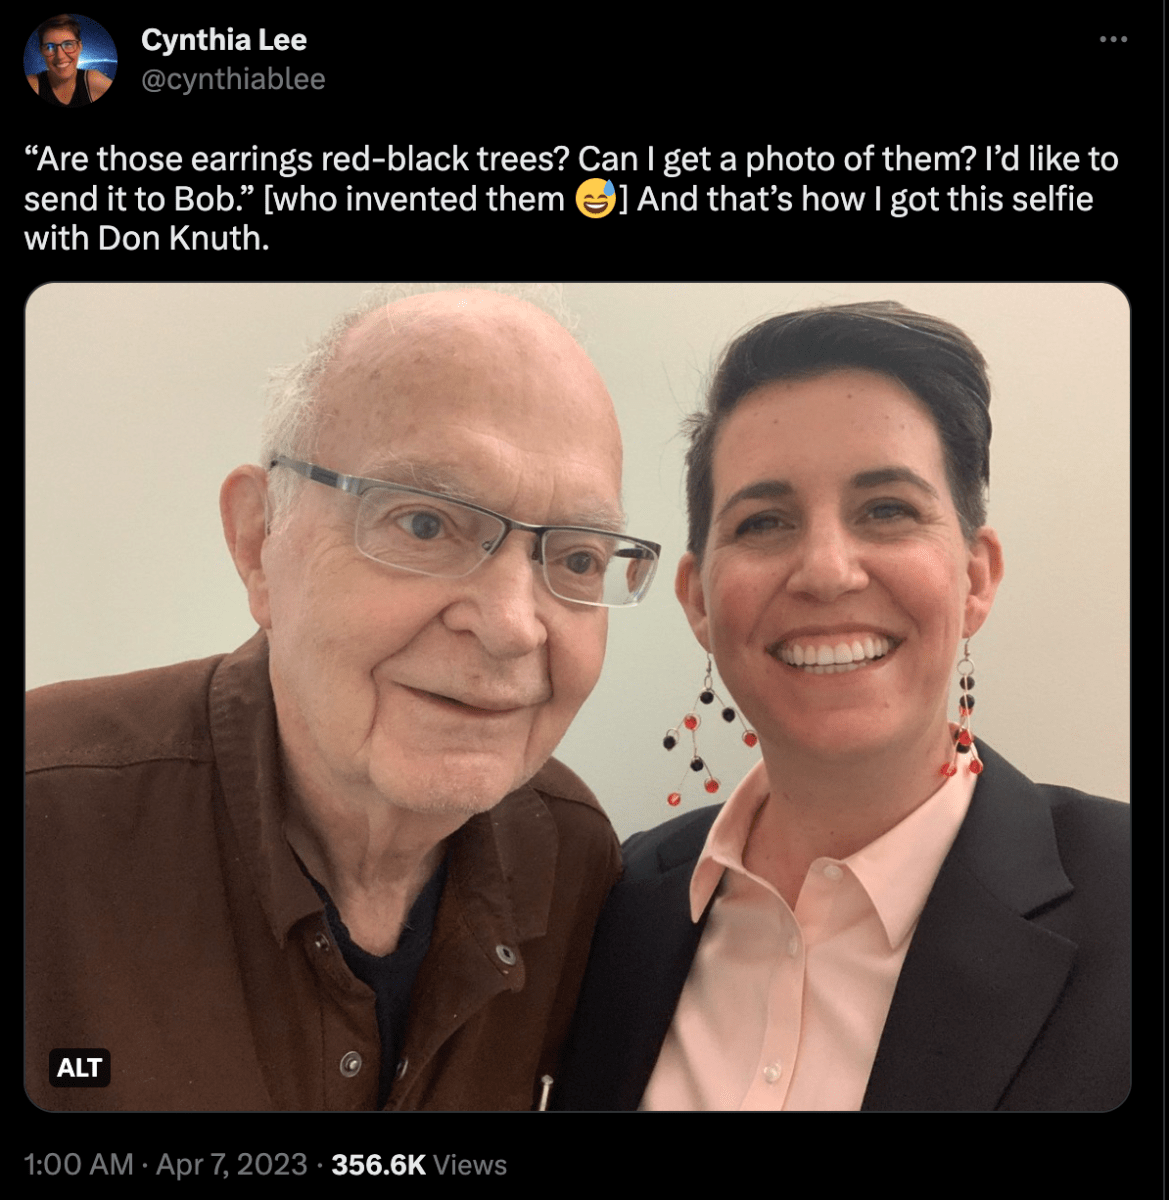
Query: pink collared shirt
x,y
784,1010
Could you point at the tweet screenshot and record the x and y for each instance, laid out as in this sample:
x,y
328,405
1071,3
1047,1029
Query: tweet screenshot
x,y
700,684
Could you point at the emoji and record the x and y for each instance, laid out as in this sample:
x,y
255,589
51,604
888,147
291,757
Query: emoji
x,y
596,197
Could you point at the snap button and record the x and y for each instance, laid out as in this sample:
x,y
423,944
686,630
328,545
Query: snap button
x,y
350,1064
506,955
401,1068
322,943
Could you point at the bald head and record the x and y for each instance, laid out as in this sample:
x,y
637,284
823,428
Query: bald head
x,y
440,357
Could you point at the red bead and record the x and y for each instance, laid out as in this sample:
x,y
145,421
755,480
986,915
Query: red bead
x,y
691,721
711,785
674,798
750,738
976,767
964,738
949,769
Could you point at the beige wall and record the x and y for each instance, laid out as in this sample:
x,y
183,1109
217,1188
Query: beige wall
x,y
141,397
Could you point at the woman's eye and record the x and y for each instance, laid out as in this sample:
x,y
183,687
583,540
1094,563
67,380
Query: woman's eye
x,y
891,510
760,523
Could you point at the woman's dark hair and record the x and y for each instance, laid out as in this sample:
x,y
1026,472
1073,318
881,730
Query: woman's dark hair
x,y
64,21
933,359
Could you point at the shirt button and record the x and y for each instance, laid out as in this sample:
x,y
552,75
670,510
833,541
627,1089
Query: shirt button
x,y
772,1072
322,943
400,1072
833,872
793,946
350,1064
506,955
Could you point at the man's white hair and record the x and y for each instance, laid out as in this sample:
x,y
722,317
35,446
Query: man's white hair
x,y
292,418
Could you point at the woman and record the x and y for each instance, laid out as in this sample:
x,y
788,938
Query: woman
x,y
62,83
885,914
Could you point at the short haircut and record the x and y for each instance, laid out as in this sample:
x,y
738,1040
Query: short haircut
x,y
64,21
933,359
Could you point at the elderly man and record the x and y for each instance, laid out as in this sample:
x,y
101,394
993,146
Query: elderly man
x,y
336,868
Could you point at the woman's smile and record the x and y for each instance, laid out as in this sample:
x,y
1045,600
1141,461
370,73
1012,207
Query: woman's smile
x,y
835,653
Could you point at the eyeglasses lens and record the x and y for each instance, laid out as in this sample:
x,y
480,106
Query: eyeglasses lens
x,y
596,568
417,533
447,539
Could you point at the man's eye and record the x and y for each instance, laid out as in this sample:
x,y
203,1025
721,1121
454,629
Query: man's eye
x,y
425,526
582,562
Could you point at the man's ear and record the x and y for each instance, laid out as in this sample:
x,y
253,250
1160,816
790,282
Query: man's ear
x,y
984,572
688,589
243,509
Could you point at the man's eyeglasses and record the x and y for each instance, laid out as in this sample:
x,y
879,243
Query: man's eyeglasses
x,y
49,48
431,534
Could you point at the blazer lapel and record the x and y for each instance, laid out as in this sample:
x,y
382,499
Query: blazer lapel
x,y
642,951
980,978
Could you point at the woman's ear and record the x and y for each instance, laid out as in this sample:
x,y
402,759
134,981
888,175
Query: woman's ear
x,y
984,572
688,589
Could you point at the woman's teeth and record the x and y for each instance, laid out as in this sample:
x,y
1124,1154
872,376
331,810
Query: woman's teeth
x,y
830,658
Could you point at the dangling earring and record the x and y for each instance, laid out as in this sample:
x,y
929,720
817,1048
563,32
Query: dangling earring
x,y
963,735
691,721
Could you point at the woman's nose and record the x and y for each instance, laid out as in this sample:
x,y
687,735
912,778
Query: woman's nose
x,y
828,565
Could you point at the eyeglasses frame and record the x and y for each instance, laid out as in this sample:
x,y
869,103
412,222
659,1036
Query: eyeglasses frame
x,y
357,485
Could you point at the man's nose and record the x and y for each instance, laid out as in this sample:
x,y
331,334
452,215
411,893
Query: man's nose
x,y
828,563
502,601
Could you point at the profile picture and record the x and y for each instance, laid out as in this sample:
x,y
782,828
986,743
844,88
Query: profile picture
x,y
70,61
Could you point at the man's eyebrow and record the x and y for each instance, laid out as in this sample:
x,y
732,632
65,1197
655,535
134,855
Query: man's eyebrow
x,y
604,517
445,482
420,475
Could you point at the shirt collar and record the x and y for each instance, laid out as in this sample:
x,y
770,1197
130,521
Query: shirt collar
x,y
896,870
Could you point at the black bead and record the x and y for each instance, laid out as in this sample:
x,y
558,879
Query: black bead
x,y
706,697
966,682
728,714
696,764
963,749
966,702
669,741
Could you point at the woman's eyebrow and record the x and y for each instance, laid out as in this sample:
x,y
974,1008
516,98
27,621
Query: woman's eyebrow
x,y
883,475
764,489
